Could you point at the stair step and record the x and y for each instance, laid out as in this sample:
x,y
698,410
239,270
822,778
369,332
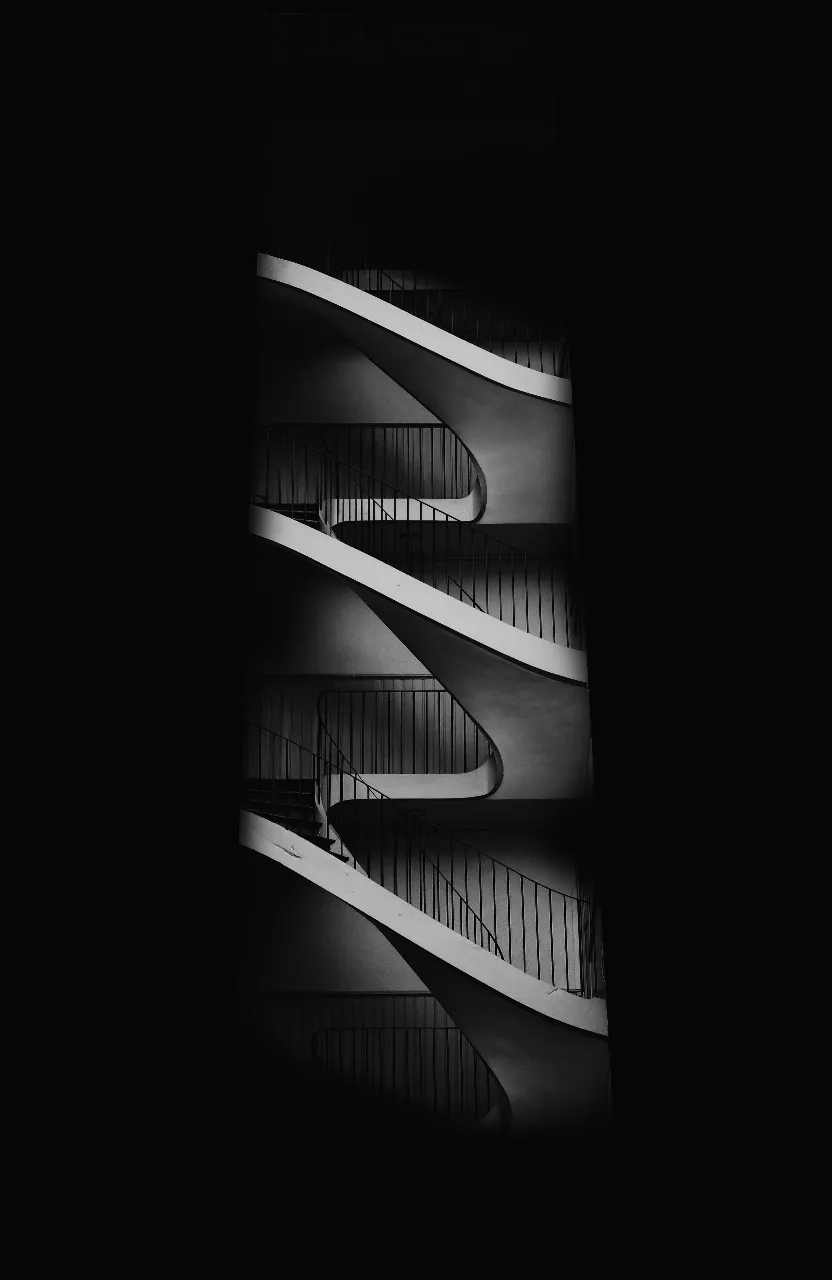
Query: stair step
x,y
293,820
281,805
305,514
301,826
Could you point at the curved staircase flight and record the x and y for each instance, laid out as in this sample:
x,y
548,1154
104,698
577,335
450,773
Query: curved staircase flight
x,y
502,629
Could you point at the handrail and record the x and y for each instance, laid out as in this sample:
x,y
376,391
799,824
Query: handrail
x,y
319,759
583,909
434,458
431,737
410,1076
358,1030
560,345
512,558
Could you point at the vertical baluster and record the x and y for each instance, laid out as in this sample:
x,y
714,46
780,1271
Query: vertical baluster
x,y
539,601
479,884
422,902
459,554
565,941
566,604
508,906
433,543
486,575
494,895
409,855
523,914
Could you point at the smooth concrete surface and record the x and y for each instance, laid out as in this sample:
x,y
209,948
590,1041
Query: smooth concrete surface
x,y
516,422
539,726
313,373
412,925
295,936
364,571
332,633
555,1077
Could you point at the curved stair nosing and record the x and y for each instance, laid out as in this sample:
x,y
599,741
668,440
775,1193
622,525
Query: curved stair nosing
x,y
293,275
383,906
502,638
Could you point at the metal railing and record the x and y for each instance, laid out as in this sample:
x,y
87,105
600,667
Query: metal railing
x,y
551,935
400,1049
427,461
493,324
396,847
436,1069
416,537
403,730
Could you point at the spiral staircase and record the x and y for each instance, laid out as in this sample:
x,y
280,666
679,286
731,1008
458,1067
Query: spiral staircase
x,y
518,965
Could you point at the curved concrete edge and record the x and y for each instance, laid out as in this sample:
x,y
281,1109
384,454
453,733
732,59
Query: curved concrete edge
x,y
475,783
382,906
544,386
365,570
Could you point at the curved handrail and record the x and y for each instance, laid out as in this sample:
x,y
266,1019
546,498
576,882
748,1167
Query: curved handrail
x,y
302,1018
509,559
479,1107
319,759
583,909
432,454
559,344
416,695
385,515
